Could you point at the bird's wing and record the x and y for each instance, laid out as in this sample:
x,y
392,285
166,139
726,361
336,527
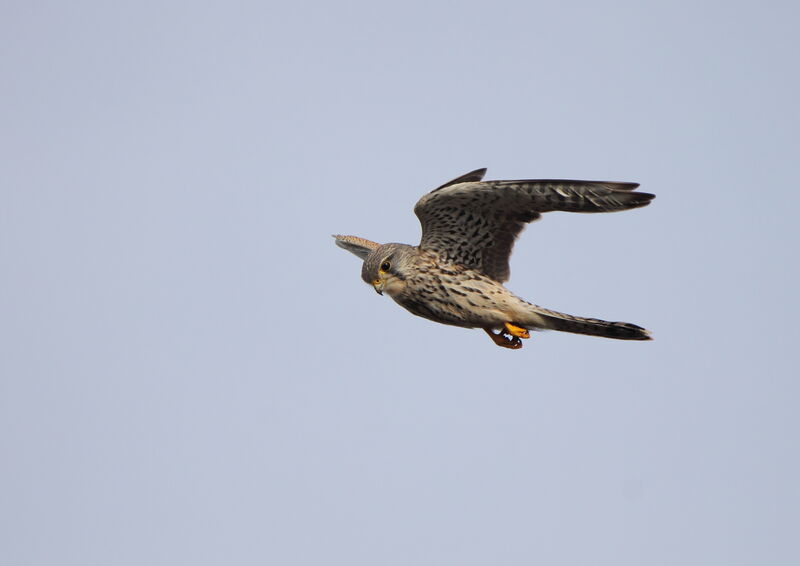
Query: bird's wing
x,y
358,246
475,223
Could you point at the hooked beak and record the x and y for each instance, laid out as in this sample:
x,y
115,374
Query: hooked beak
x,y
378,286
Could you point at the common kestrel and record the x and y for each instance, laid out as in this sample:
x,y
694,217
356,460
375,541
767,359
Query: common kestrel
x,y
455,275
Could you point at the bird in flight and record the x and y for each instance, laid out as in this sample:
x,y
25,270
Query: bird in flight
x,y
455,275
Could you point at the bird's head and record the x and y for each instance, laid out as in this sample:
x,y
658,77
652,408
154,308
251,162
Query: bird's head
x,y
387,267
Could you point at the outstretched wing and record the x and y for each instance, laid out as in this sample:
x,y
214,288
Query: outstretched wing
x,y
475,223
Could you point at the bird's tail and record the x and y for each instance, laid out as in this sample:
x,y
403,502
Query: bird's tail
x,y
592,326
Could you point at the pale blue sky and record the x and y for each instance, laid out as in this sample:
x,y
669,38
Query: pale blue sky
x,y
192,373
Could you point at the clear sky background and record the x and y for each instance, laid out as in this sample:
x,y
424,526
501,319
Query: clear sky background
x,y
192,373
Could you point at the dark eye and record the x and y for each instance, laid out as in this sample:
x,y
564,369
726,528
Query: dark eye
x,y
385,266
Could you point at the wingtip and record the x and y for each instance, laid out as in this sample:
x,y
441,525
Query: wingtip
x,y
471,177
642,199
360,247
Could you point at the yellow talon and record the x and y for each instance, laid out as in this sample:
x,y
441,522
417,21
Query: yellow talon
x,y
517,331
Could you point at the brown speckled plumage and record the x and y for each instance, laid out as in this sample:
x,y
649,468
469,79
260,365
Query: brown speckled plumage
x,y
455,275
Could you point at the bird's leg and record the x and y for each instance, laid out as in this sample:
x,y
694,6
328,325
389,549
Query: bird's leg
x,y
517,331
502,340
